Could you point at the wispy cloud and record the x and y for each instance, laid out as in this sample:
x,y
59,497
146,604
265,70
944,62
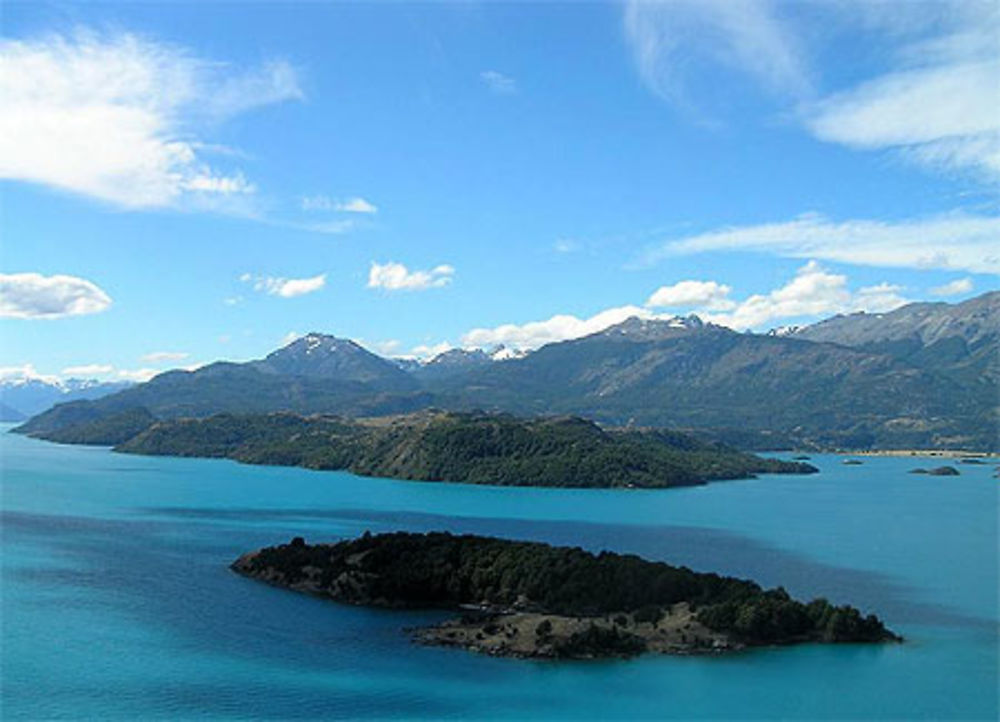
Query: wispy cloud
x,y
942,116
333,228
285,287
100,371
137,375
955,241
566,245
397,277
34,296
356,204
749,37
955,288
87,370
937,105
933,102
498,82
158,357
112,116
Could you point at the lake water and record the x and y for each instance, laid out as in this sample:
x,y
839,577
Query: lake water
x,y
117,601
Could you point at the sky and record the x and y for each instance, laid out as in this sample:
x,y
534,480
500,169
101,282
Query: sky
x,y
193,181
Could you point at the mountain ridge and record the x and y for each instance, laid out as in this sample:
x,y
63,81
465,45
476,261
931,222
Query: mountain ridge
x,y
678,372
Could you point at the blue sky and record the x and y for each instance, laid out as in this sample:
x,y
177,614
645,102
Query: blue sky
x,y
194,181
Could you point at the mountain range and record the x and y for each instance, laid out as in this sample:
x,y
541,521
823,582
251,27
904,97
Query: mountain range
x,y
21,398
925,375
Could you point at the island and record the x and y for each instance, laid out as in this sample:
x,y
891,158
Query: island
x,y
530,599
473,447
937,471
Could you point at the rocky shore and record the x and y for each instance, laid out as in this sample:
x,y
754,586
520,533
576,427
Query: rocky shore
x,y
552,636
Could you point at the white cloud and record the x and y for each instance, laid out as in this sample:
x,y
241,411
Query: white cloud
x,y
32,295
357,205
956,241
381,348
113,116
933,99
397,277
878,299
692,294
285,287
668,39
137,375
812,293
348,205
557,328
87,370
429,351
290,337
954,288
937,102
25,372
164,356
498,82
943,116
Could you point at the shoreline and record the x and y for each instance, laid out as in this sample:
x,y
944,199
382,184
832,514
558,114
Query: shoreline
x,y
540,635
929,453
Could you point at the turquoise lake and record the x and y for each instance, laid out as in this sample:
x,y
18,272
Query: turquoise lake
x,y
117,601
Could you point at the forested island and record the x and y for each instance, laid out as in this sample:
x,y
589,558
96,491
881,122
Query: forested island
x,y
475,448
529,599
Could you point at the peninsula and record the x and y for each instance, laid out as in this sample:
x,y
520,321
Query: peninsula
x,y
475,448
528,599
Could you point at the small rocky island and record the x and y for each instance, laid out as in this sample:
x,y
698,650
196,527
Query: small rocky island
x,y
529,599
937,471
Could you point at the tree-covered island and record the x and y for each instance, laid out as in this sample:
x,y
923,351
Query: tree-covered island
x,y
475,448
529,599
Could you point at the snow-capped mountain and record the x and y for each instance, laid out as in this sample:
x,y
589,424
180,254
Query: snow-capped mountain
x,y
784,330
503,353
652,329
25,396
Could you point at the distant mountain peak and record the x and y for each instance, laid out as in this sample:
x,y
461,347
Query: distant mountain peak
x,y
504,353
459,357
321,355
635,328
318,342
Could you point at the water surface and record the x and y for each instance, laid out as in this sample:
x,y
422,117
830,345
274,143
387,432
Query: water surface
x,y
117,601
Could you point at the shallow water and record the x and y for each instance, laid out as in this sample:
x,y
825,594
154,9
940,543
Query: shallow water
x,y
117,601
